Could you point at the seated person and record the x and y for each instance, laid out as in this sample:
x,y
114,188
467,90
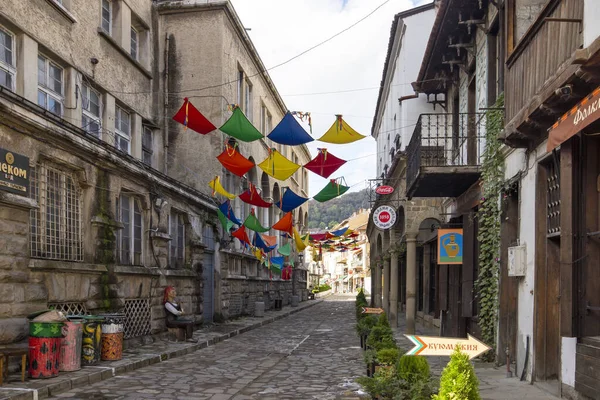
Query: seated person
x,y
174,313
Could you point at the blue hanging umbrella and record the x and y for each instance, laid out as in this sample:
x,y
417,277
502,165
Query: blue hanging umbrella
x,y
289,132
340,232
260,243
227,210
290,200
277,261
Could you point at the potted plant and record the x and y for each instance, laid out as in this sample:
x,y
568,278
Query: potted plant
x,y
458,379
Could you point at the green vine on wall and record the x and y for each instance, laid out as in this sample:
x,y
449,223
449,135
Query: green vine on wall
x,y
492,177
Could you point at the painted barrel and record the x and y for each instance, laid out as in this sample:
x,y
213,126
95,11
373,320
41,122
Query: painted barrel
x,y
92,340
70,349
44,354
112,341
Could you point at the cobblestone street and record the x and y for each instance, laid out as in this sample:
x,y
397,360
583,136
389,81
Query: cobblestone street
x,y
313,354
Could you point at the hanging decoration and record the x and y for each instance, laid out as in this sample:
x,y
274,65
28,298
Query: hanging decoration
x,y
240,128
331,191
303,116
341,133
289,132
285,250
252,197
190,117
277,261
216,186
270,240
340,232
241,235
290,201
253,223
277,166
233,161
227,224
227,211
259,242
300,244
324,164
284,224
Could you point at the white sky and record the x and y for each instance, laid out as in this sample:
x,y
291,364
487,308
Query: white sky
x,y
281,29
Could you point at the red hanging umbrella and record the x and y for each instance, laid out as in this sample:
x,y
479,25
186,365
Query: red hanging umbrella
x,y
285,223
324,164
251,196
241,234
191,118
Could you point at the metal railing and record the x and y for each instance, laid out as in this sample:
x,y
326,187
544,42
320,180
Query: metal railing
x,y
445,140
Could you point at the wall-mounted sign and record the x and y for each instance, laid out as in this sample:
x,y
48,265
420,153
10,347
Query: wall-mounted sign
x,y
14,173
384,189
384,217
443,346
450,246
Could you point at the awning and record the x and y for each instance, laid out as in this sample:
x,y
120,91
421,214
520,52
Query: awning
x,y
346,278
580,116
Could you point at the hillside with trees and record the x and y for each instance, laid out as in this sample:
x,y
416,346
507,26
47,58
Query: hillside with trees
x,y
326,215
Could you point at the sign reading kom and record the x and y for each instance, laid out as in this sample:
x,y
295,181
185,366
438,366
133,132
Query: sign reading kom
x,y
14,173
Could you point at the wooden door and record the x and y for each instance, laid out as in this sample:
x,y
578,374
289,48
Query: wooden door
x,y
589,266
546,344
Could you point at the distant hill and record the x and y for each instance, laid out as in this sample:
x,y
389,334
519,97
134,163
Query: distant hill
x,y
332,212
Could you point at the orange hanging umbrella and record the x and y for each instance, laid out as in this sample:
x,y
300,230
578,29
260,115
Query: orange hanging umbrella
x,y
285,224
233,161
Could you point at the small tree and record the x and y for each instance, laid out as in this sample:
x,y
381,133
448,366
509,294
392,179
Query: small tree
x,y
458,379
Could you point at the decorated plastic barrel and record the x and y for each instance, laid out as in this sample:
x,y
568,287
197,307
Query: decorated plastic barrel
x,y
44,349
92,339
70,349
112,337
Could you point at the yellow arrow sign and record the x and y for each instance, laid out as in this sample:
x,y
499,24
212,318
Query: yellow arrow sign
x,y
442,346
367,310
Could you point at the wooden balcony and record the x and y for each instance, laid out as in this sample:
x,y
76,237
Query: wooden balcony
x,y
542,61
445,154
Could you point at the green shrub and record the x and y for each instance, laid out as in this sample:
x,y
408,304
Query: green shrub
x,y
381,337
321,288
360,297
383,321
458,379
361,301
383,385
388,357
413,368
364,325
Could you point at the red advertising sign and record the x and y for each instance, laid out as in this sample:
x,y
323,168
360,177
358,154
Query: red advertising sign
x,y
384,189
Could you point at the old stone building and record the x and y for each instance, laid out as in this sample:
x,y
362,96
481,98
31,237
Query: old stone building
x,y
115,205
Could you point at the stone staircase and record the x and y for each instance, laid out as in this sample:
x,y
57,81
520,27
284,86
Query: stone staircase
x,y
587,372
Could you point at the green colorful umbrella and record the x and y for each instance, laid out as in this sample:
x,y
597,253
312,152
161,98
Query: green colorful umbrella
x,y
240,128
253,223
285,250
331,191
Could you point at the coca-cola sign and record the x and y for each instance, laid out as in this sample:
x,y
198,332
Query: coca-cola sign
x,y
384,217
384,189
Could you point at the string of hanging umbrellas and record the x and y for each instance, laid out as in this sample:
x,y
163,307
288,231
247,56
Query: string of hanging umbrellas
x,y
287,132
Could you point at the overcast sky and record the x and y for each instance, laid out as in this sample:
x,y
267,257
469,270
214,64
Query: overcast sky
x,y
281,29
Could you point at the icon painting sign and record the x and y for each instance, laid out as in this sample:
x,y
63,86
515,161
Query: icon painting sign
x,y
450,246
384,189
443,346
367,310
384,217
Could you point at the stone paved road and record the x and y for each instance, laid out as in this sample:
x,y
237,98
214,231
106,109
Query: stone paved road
x,y
313,354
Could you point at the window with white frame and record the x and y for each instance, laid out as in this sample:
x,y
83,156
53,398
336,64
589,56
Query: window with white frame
x,y
134,43
50,85
147,146
106,17
122,130
55,226
7,59
248,100
240,89
130,237
91,111
177,243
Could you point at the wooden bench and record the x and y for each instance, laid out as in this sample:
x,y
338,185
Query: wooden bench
x,y
5,354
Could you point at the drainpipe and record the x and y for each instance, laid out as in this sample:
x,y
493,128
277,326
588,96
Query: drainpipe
x,y
166,106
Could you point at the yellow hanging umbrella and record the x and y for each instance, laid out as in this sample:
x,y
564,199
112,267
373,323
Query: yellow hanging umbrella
x,y
341,133
216,186
300,245
277,166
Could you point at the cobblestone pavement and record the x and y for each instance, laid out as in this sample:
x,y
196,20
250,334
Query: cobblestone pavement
x,y
313,354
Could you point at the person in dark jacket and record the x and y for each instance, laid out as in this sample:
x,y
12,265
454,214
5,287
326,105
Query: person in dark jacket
x,y
174,313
